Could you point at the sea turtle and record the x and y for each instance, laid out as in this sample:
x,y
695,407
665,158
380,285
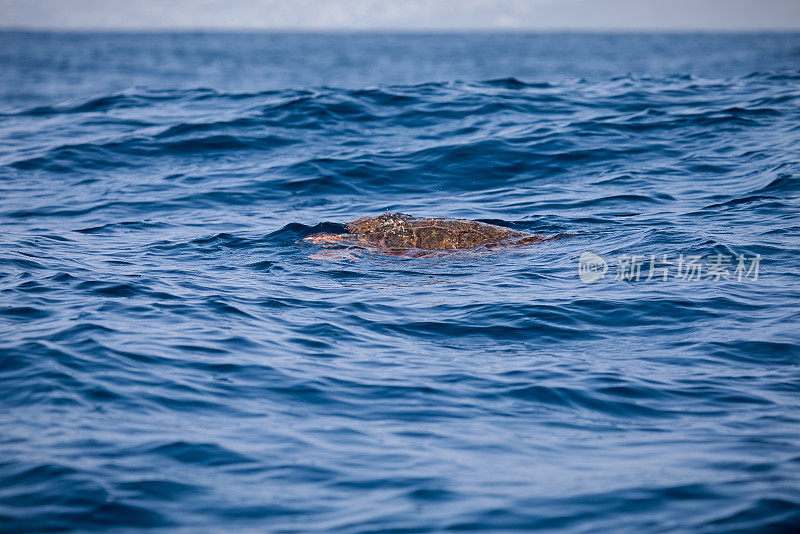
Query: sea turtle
x,y
403,235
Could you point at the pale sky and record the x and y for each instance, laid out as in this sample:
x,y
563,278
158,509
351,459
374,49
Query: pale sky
x,y
403,14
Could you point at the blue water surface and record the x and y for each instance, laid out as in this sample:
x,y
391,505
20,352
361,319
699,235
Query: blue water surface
x,y
174,357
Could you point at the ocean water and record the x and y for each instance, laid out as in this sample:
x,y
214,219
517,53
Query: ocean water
x,y
174,357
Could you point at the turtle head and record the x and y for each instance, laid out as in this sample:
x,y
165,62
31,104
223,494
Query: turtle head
x,y
326,232
326,228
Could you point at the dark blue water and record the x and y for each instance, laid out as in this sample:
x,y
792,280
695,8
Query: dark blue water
x,y
172,358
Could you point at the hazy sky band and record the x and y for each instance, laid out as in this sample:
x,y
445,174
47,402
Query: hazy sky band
x,y
403,14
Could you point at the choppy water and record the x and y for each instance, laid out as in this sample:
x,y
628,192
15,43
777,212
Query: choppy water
x,y
171,357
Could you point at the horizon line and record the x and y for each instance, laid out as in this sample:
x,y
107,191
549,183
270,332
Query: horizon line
x,y
395,30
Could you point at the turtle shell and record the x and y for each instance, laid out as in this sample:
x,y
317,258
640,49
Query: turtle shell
x,y
400,231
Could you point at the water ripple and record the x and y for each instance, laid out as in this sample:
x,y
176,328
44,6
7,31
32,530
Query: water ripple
x,y
175,356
